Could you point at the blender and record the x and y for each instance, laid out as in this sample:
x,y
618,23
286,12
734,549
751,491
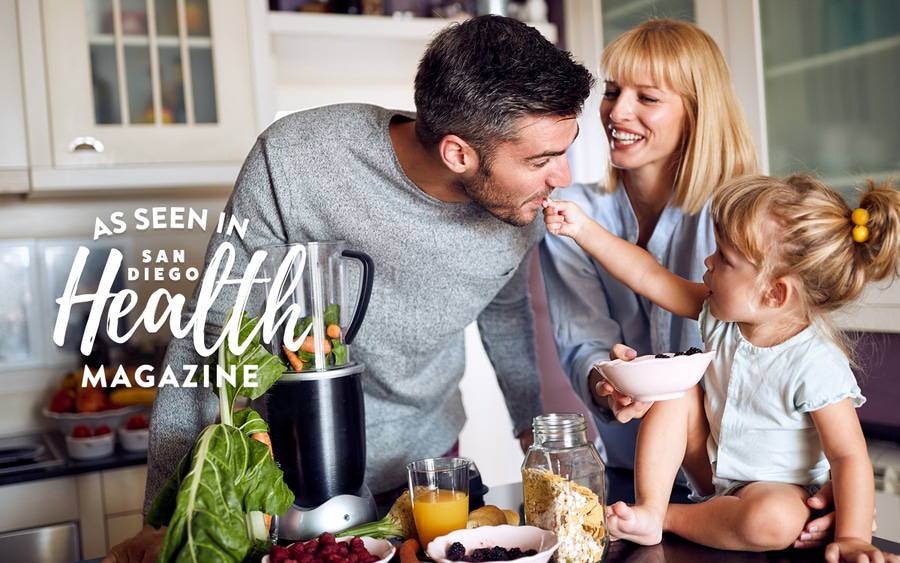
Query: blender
x,y
316,415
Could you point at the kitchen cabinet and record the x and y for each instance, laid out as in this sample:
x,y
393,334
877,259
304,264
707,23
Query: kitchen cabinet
x,y
105,507
320,59
13,142
816,80
140,92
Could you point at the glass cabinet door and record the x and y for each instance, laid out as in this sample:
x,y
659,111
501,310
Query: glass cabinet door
x,y
148,81
621,15
831,76
160,46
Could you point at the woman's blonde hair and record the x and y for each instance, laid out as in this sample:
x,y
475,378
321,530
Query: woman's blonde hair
x,y
716,144
813,239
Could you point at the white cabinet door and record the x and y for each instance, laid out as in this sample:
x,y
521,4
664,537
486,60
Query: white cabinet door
x,y
13,143
148,81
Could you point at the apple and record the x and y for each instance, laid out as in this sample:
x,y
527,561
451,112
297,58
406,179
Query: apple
x,y
62,401
101,430
81,431
136,422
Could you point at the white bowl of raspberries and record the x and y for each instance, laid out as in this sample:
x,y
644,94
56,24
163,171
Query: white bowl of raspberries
x,y
327,548
659,377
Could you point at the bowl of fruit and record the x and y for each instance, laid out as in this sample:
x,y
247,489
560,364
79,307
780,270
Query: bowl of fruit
x,y
328,549
84,443
657,377
523,544
135,435
75,404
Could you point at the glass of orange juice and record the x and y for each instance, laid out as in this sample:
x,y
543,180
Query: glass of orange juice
x,y
439,488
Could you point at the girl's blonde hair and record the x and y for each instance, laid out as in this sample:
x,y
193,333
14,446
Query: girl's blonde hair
x,y
812,239
716,144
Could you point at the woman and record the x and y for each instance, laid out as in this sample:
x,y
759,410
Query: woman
x,y
676,131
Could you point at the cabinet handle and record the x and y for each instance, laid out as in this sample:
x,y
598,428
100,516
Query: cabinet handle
x,y
86,144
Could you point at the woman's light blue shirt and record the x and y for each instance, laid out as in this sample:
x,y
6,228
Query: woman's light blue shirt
x,y
590,311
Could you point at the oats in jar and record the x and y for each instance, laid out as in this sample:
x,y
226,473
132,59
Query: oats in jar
x,y
570,510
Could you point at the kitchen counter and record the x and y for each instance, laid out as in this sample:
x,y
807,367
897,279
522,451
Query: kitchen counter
x,y
67,466
672,549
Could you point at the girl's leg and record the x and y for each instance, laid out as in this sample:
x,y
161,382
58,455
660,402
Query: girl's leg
x,y
671,432
760,517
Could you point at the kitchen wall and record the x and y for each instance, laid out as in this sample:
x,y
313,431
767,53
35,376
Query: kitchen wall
x,y
24,392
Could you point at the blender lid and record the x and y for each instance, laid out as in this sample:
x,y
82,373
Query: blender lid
x,y
341,371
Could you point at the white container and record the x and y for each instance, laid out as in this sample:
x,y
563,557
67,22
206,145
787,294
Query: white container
x,y
67,421
649,378
136,440
92,447
523,537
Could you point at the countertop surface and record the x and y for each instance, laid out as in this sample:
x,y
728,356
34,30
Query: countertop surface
x,y
68,466
672,549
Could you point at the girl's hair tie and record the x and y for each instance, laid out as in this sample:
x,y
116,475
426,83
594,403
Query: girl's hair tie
x,y
859,218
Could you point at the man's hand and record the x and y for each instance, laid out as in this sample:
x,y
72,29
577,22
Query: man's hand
x,y
142,548
624,407
526,438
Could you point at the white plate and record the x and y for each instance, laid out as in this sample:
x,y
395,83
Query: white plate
x,y
382,549
523,537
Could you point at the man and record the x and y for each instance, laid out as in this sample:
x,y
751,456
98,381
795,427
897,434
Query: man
x,y
444,201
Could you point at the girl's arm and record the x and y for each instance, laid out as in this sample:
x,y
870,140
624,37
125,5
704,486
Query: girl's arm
x,y
628,263
851,475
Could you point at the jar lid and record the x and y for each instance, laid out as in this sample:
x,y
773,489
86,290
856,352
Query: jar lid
x,y
558,426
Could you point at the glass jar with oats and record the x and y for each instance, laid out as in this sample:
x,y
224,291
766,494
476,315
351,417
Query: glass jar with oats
x,y
565,488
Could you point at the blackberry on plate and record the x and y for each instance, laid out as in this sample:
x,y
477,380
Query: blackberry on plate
x,y
456,551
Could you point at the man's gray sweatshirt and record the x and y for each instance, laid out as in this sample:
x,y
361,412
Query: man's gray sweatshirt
x,y
331,174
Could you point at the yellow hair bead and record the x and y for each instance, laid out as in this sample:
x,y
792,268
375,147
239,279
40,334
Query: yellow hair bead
x,y
859,217
860,233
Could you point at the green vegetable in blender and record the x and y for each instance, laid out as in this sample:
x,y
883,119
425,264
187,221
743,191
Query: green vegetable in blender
x,y
399,522
215,503
337,356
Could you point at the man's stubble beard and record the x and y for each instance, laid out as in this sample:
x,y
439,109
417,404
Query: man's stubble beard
x,y
485,192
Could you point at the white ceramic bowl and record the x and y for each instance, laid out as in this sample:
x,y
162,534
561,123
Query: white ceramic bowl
x,y
92,447
67,421
523,537
648,378
136,440
382,549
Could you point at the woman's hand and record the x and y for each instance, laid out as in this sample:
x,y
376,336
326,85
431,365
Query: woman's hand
x,y
564,218
624,407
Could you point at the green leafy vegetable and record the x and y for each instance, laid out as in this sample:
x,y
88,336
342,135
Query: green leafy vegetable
x,y
332,314
215,503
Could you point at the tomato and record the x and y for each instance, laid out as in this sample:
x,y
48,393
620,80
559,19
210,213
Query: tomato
x,y
136,422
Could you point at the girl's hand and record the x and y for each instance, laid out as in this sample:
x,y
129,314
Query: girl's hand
x,y
564,218
819,531
854,550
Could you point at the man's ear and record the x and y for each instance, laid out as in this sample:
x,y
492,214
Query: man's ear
x,y
780,292
458,155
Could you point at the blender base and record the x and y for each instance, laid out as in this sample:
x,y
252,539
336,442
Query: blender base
x,y
336,514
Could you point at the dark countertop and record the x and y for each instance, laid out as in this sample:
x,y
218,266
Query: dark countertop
x,y
672,549
119,458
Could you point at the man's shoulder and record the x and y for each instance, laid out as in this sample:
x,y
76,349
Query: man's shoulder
x,y
324,122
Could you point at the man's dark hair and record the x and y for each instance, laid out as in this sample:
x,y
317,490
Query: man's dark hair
x,y
478,77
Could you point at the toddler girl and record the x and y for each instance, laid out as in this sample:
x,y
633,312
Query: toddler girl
x,y
776,410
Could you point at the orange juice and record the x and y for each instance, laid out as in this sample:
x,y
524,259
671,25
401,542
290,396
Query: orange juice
x,y
438,512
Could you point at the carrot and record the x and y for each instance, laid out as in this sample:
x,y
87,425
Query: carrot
x,y
264,438
333,331
293,358
409,551
309,345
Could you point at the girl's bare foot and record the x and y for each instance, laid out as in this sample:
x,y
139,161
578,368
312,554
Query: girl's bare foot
x,y
637,524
